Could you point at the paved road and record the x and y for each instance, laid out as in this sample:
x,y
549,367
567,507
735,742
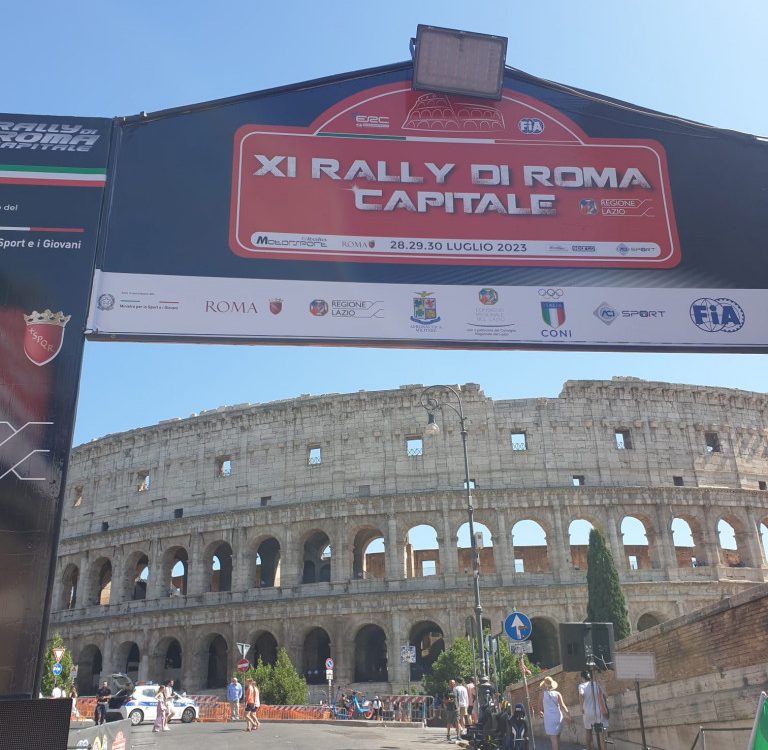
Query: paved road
x,y
297,736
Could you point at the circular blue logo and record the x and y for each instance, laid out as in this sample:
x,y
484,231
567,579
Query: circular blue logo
x,y
717,314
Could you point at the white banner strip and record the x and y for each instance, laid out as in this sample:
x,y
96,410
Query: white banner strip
x,y
134,305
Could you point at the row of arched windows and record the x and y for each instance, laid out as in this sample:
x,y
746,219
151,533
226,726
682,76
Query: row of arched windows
x,y
529,552
369,657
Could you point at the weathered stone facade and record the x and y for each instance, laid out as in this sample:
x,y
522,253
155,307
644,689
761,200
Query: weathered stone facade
x,y
252,524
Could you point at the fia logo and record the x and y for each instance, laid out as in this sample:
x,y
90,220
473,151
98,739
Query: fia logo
x,y
714,315
530,126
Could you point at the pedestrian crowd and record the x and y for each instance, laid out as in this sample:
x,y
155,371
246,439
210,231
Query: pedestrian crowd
x,y
594,710
164,697
235,694
459,703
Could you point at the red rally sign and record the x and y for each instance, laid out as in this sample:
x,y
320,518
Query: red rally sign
x,y
393,175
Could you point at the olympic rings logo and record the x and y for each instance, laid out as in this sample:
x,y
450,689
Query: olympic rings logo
x,y
551,293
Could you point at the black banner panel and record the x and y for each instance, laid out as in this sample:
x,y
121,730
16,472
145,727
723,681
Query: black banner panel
x,y
356,210
52,175
31,724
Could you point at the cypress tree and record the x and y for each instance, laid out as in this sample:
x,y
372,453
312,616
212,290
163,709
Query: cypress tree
x,y
605,599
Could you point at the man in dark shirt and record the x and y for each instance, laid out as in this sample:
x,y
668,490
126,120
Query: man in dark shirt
x,y
103,694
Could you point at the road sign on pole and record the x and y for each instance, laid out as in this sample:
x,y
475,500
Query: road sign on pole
x,y
408,654
56,669
329,674
243,648
518,626
635,665
521,647
329,663
243,665
58,653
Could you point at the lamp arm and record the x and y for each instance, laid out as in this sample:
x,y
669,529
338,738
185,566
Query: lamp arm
x,y
431,402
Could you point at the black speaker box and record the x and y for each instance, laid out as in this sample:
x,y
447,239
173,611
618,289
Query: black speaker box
x,y
582,642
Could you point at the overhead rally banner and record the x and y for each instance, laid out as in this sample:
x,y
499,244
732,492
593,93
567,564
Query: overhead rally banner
x,y
356,210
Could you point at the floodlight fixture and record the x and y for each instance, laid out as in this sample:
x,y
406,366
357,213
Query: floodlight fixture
x,y
459,62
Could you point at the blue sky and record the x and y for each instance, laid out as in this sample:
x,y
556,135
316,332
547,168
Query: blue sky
x,y
697,60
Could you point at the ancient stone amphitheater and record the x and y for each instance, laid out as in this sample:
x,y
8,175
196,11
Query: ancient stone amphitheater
x,y
328,526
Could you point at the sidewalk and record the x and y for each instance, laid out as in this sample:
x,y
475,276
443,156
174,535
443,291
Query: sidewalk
x,y
542,743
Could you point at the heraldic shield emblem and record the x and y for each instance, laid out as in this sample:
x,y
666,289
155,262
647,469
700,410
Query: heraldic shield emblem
x,y
44,335
553,313
425,309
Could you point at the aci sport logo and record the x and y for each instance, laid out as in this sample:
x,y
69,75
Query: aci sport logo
x,y
717,314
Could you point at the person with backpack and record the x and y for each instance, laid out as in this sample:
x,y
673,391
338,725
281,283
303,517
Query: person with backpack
x,y
594,709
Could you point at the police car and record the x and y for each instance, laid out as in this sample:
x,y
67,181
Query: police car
x,y
138,703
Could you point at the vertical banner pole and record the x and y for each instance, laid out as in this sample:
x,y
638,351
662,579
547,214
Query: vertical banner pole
x,y
527,700
640,712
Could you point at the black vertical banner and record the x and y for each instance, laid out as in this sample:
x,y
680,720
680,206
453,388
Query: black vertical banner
x,y
52,176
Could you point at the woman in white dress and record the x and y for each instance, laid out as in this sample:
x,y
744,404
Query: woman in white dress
x,y
554,711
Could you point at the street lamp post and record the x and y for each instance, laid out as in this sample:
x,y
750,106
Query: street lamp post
x,y
436,397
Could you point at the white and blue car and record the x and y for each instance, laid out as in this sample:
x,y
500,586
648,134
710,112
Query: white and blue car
x,y
138,702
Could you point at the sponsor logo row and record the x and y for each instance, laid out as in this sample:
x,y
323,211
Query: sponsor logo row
x,y
712,315
44,332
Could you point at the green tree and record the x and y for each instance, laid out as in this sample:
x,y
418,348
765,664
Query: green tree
x,y
64,680
456,663
452,664
605,599
280,684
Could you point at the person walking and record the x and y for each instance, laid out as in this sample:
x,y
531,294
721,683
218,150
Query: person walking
x,y
451,715
73,698
234,696
471,692
252,703
160,714
594,708
103,694
462,702
168,705
256,705
554,711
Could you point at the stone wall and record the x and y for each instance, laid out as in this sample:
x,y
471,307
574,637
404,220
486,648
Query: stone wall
x,y
711,666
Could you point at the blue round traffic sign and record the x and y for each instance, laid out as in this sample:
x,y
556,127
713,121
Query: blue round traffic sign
x,y
518,626
329,663
57,669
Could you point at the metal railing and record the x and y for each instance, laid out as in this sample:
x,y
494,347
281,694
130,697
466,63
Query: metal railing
x,y
703,731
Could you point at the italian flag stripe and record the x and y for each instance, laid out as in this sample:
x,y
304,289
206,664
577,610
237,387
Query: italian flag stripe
x,y
33,175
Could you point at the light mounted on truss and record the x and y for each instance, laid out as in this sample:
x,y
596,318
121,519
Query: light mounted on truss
x,y
458,62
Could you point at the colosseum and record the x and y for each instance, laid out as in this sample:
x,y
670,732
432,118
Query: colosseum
x,y
329,526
